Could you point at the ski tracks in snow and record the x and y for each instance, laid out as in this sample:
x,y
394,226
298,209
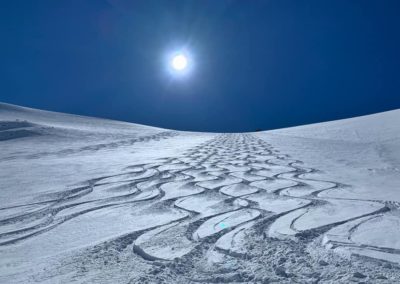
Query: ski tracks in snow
x,y
233,209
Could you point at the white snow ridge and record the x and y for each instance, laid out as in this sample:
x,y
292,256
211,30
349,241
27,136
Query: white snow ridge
x,y
86,200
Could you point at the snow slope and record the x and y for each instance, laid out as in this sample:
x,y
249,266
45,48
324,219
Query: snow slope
x,y
90,200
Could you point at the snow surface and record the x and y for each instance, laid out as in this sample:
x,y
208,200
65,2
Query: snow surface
x,y
87,200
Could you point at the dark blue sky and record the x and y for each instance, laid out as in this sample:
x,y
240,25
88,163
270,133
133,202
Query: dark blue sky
x,y
259,64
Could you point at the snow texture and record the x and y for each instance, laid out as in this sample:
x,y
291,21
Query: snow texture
x,y
87,200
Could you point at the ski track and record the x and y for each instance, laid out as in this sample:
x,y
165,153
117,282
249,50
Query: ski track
x,y
244,203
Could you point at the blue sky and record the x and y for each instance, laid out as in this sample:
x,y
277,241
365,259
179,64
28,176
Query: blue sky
x,y
258,64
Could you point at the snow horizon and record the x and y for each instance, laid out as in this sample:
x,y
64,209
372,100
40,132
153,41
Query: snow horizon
x,y
5,104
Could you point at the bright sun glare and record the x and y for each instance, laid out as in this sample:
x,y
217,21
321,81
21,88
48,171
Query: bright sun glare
x,y
179,62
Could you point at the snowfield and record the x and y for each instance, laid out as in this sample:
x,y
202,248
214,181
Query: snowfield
x,y
87,200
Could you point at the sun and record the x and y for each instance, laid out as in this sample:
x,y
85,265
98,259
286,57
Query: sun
x,y
179,62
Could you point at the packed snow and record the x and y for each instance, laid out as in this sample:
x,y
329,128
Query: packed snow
x,y
88,200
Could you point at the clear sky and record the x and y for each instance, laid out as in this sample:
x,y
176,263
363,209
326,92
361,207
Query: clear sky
x,y
258,64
